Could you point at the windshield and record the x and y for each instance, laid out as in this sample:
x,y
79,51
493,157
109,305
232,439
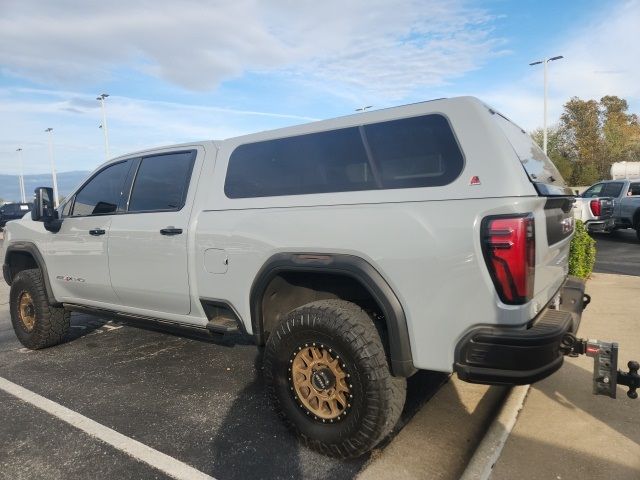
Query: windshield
x,y
541,171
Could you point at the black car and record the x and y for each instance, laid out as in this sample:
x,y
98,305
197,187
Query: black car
x,y
13,211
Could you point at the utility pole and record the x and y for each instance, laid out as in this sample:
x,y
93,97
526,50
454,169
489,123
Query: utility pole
x,y
544,122
23,198
105,130
53,167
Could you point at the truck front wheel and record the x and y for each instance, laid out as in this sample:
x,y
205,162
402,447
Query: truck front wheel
x,y
36,323
329,379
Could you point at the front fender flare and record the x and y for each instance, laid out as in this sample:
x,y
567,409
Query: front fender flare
x,y
32,249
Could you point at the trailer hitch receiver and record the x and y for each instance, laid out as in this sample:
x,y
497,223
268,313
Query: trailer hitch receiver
x,y
606,376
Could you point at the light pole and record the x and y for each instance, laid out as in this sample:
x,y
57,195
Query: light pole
x,y
544,122
362,109
23,198
101,98
53,167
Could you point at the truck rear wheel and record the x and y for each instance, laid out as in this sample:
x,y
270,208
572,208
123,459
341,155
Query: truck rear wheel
x,y
329,379
36,323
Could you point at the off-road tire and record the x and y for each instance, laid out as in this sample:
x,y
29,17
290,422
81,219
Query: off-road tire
x,y
51,323
378,397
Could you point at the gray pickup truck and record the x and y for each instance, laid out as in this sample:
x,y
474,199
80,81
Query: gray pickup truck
x,y
626,201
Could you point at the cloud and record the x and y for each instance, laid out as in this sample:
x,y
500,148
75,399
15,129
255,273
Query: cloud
x,y
356,48
602,57
134,124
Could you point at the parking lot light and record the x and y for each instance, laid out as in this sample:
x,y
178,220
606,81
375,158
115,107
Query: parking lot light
x,y
544,122
53,167
23,198
105,130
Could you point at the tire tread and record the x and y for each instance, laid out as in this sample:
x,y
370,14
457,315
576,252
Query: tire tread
x,y
52,323
385,393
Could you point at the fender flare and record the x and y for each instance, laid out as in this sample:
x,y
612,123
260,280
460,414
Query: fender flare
x,y
351,266
33,250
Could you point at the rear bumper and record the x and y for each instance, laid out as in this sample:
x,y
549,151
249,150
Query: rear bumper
x,y
600,225
506,356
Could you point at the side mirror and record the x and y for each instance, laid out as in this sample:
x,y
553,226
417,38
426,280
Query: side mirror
x,y
44,210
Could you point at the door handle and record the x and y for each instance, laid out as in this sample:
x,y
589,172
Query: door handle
x,y
171,231
96,232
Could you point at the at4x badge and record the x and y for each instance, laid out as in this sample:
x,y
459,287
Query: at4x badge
x,y
68,278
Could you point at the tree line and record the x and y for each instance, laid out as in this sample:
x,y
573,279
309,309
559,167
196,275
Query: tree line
x,y
590,136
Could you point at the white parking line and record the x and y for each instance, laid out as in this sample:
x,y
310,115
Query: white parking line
x,y
135,449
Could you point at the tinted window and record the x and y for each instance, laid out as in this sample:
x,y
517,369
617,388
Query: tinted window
x,y
101,195
16,208
634,189
161,182
594,191
414,152
538,166
65,211
612,189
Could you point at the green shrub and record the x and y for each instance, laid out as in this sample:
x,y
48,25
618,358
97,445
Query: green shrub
x,y
582,255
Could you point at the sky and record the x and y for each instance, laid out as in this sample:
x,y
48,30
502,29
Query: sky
x,y
192,70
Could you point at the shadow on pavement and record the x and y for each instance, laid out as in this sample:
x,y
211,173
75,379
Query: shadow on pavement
x,y
442,436
263,454
572,389
246,438
560,462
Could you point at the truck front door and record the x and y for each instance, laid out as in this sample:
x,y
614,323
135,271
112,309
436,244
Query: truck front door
x,y
148,243
630,202
76,256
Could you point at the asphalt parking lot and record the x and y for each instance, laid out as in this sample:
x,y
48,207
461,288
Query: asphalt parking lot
x,y
617,252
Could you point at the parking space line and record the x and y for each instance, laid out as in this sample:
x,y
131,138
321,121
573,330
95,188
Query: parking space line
x,y
139,451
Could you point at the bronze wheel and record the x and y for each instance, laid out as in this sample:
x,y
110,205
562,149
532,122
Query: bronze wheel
x,y
327,373
27,311
320,382
36,322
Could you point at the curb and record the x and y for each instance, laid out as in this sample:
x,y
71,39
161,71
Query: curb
x,y
488,452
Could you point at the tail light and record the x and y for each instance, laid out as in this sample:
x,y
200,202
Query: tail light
x,y
596,207
509,249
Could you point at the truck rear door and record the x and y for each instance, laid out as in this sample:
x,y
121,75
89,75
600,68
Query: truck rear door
x,y
148,259
614,190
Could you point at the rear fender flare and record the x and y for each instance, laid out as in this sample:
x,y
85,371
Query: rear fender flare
x,y
352,266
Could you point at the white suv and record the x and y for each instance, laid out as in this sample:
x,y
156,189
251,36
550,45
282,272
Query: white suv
x,y
429,236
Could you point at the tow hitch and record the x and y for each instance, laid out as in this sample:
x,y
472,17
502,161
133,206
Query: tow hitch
x,y
606,376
